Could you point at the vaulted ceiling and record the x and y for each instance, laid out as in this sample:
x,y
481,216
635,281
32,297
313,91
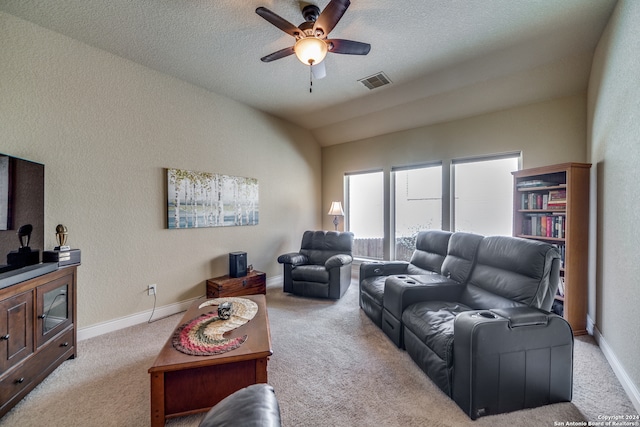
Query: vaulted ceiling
x,y
446,59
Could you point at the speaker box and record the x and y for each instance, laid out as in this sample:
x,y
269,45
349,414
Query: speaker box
x,y
237,264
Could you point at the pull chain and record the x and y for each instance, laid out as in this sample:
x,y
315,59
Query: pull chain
x,y
310,78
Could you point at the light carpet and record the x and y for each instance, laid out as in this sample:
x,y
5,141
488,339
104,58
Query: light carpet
x,y
330,367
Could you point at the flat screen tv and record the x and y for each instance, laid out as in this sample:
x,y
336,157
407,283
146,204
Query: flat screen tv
x,y
21,205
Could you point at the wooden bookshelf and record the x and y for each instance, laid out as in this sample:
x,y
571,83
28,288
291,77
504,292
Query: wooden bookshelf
x,y
541,213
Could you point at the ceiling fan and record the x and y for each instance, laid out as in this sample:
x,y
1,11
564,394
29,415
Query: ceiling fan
x,y
312,44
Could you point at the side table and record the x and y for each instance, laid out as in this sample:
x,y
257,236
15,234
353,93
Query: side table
x,y
225,286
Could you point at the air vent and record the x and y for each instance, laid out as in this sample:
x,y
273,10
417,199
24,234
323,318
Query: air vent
x,y
376,80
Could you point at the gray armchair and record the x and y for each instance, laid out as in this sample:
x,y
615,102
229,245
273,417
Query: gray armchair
x,y
322,267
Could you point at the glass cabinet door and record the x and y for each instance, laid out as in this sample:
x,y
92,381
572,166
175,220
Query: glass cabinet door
x,y
54,308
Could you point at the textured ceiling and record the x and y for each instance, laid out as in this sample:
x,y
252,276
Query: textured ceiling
x,y
447,59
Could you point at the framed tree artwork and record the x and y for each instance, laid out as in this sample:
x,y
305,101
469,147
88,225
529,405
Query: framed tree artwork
x,y
204,199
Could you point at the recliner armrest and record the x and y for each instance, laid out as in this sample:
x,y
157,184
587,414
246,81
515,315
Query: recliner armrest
x,y
490,345
522,316
382,268
338,260
402,291
293,258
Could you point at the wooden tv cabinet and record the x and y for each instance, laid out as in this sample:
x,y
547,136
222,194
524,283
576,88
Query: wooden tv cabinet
x,y
37,331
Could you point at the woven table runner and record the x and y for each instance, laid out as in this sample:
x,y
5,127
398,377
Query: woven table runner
x,y
203,336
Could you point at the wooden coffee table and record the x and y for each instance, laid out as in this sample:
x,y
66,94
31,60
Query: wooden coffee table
x,y
182,384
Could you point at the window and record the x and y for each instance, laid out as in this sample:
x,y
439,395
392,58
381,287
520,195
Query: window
x,y
365,213
483,194
417,205
385,211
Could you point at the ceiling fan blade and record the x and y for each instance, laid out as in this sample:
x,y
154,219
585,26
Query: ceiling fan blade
x,y
348,47
277,55
279,22
319,70
330,16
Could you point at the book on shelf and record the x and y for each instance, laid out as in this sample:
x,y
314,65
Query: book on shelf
x,y
544,225
535,183
558,195
547,201
534,201
557,200
557,206
561,286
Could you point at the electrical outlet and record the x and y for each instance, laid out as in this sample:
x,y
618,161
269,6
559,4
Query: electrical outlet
x,y
152,289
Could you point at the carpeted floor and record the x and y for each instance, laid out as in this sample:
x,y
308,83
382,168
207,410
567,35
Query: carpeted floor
x,y
330,367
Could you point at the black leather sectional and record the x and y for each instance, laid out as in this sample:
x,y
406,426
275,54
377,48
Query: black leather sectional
x,y
473,314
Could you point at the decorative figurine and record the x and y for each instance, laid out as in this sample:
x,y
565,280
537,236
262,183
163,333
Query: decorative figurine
x,y
61,237
24,235
224,310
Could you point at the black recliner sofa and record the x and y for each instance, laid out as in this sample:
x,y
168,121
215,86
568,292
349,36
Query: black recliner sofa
x,y
481,330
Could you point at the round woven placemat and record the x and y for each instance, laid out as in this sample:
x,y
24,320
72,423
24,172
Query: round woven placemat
x,y
203,336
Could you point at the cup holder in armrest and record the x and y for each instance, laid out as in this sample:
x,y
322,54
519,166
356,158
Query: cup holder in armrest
x,y
401,277
486,315
411,282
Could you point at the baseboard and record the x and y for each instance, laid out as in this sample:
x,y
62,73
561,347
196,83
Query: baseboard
x,y
275,281
628,385
143,317
590,325
132,320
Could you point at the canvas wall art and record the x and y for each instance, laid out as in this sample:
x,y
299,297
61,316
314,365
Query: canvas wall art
x,y
204,199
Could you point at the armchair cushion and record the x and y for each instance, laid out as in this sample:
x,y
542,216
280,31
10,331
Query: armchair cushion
x,y
319,246
310,273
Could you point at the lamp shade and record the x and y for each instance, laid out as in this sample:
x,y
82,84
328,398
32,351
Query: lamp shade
x,y
310,50
336,209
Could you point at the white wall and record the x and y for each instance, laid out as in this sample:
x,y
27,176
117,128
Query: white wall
x,y
106,128
614,149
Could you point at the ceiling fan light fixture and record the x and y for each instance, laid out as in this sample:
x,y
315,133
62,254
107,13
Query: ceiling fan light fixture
x,y
310,50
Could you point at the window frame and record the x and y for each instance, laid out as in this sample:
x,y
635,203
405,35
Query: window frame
x,y
448,193
385,212
473,159
392,198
